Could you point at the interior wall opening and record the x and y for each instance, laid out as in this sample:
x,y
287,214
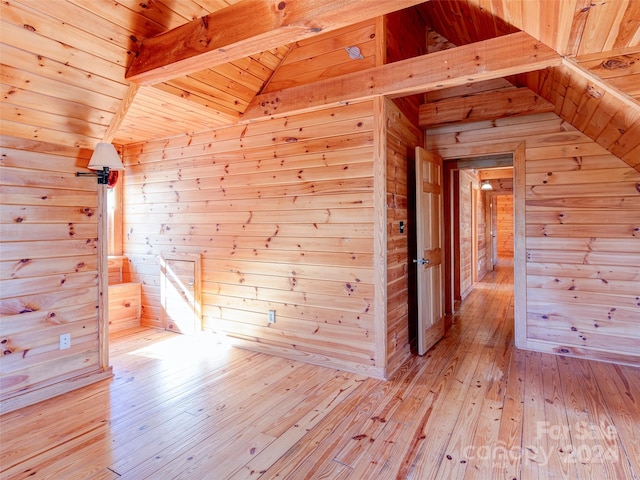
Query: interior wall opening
x,y
479,222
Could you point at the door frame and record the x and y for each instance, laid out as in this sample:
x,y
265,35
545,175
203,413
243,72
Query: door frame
x,y
514,154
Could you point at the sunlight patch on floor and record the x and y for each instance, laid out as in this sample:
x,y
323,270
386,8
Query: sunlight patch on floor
x,y
183,348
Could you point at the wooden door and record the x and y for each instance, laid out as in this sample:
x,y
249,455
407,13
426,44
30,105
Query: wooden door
x,y
429,238
180,294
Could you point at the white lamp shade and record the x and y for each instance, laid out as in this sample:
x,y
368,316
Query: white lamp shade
x,y
105,155
486,185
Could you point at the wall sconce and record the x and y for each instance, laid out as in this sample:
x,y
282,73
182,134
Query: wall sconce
x,y
104,158
486,185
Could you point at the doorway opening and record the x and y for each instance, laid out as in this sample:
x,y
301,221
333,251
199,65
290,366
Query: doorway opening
x,y
479,222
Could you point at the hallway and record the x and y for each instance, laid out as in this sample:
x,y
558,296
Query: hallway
x,y
473,407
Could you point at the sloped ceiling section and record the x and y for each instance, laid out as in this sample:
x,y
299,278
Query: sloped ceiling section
x,y
203,100
64,62
598,90
64,65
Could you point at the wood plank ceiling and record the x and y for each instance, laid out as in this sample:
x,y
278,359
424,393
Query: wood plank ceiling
x,y
596,87
64,63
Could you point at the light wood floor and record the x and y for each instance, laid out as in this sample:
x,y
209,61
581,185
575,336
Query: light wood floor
x,y
474,407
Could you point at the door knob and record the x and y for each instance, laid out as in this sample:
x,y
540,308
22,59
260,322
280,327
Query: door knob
x,y
422,261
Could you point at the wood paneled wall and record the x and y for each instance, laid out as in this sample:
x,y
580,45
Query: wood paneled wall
x,y
48,270
466,231
504,225
482,257
473,255
401,139
282,212
60,82
582,245
472,207
609,117
325,56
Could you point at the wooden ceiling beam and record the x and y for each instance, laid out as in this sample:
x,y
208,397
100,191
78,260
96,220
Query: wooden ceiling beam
x,y
246,28
483,106
121,113
494,58
621,97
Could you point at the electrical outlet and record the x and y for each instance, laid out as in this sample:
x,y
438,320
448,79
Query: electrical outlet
x,y
65,341
272,316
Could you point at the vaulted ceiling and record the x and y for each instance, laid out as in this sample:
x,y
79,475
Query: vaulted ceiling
x,y
64,62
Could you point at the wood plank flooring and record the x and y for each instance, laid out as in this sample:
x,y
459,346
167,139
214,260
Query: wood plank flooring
x,y
472,408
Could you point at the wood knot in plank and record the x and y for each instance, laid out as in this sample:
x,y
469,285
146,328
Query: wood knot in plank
x,y
28,308
615,64
593,92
